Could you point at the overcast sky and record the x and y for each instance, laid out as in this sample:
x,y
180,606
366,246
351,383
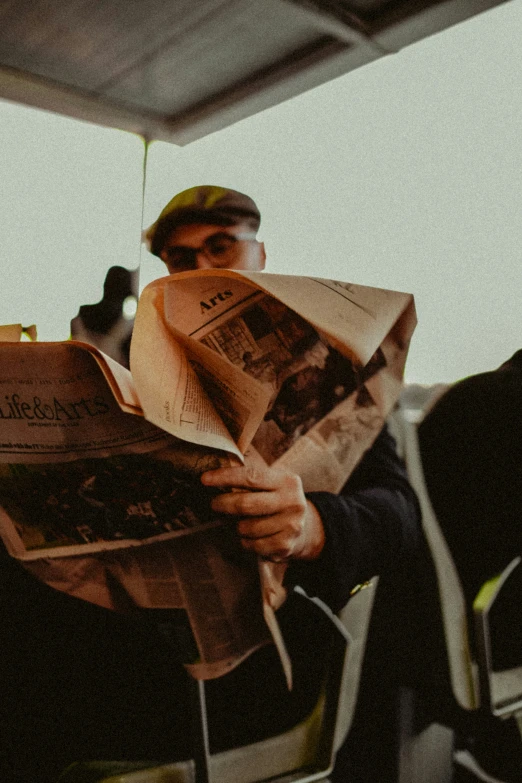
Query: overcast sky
x,y
403,174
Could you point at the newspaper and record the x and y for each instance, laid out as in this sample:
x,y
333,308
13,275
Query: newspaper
x,y
99,467
304,369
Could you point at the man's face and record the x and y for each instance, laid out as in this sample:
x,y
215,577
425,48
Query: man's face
x,y
199,246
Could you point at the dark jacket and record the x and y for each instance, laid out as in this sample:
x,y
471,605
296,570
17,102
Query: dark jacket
x,y
372,527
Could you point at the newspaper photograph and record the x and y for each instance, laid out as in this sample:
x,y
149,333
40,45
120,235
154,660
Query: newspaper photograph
x,y
90,505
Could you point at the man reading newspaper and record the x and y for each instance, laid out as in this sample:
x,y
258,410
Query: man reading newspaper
x,y
83,682
330,542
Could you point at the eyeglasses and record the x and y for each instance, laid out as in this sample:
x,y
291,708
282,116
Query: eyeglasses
x,y
221,248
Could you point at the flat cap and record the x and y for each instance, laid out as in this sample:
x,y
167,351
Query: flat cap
x,y
201,204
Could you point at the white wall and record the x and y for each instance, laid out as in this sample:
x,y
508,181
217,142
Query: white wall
x,y
70,205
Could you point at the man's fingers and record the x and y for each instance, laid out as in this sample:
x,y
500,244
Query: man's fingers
x,y
247,504
263,527
246,477
274,518
276,547
287,528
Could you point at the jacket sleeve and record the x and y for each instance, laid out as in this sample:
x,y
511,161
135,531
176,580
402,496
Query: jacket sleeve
x,y
372,527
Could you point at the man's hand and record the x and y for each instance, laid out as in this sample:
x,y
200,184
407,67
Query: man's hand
x,y
275,519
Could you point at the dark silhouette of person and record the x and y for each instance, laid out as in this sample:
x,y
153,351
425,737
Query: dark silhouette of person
x,y
105,324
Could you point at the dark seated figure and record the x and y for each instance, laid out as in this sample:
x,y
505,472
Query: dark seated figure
x,y
471,447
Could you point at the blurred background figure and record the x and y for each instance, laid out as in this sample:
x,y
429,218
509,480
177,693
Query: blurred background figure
x,y
471,446
108,324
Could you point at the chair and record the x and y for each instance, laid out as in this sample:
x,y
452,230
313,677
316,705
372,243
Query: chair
x,y
303,754
462,667
476,681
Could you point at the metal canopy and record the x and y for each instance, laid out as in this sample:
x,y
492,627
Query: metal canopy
x,y
177,70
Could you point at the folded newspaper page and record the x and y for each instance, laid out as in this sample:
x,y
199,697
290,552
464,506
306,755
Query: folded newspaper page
x,y
304,369
99,468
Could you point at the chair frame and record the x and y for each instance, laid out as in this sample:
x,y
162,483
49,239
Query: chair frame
x,y
304,754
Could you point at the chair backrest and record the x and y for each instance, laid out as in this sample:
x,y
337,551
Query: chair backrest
x,y
474,681
462,667
355,618
303,754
